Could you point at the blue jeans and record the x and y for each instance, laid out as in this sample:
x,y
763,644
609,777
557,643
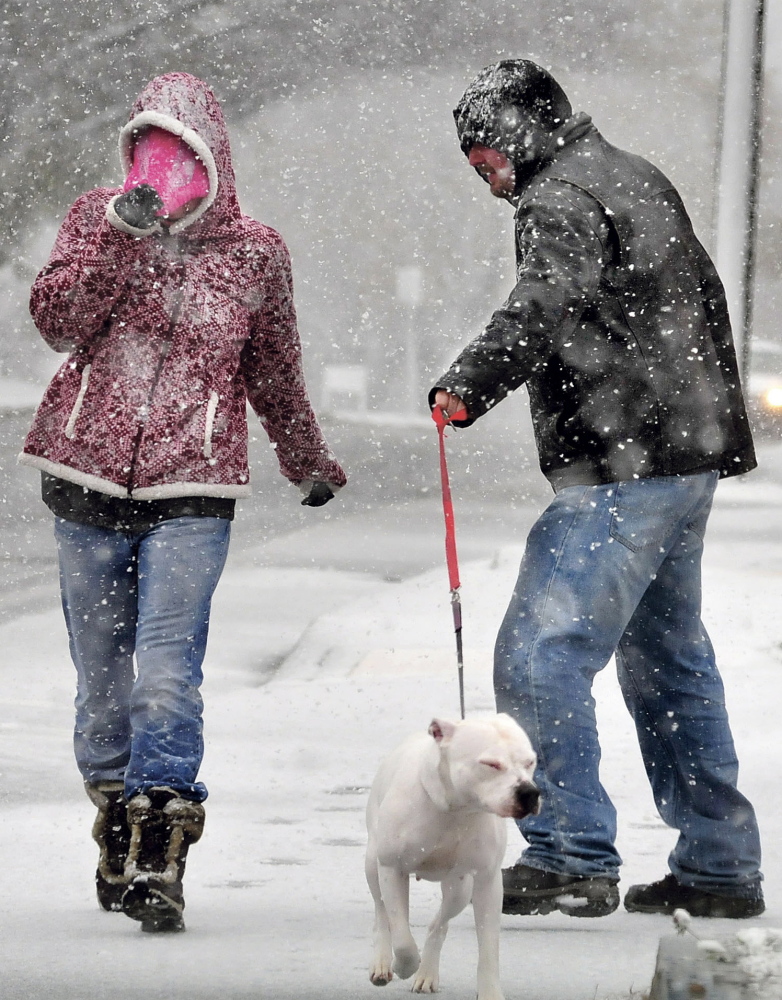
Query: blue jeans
x,y
611,569
148,596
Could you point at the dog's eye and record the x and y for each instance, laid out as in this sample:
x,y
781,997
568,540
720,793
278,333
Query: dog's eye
x,y
494,764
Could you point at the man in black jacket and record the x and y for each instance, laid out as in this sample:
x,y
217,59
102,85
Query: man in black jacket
x,y
619,328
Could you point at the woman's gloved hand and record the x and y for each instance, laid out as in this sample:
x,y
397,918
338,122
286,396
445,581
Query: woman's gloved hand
x,y
139,206
319,494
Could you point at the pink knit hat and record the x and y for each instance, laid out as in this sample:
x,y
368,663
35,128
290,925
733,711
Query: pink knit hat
x,y
170,166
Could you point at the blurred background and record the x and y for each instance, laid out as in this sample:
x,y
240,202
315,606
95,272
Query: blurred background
x,y
343,139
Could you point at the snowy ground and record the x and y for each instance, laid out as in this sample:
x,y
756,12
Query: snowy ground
x,y
312,676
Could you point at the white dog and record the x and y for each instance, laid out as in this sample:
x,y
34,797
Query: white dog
x,y
437,810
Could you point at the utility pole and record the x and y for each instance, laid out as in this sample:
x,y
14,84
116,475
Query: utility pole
x,y
739,163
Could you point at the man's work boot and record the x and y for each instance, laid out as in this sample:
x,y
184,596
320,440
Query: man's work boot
x,y
163,826
112,834
528,891
669,894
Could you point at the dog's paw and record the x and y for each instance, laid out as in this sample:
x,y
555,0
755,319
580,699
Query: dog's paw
x,y
406,962
426,983
381,975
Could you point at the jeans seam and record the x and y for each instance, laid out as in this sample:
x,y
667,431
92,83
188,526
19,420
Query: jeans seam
x,y
533,643
663,742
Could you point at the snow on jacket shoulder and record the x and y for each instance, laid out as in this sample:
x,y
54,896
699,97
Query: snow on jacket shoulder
x,y
169,336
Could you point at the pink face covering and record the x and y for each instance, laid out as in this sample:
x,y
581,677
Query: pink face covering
x,y
170,166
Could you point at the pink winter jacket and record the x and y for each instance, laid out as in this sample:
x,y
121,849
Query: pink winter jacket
x,y
171,334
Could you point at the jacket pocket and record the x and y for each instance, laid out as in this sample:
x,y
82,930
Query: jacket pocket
x,y
70,427
209,422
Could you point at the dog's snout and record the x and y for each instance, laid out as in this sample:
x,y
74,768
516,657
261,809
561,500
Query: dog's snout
x,y
527,800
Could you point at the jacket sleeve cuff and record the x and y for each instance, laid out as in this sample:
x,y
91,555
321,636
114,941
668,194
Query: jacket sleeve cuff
x,y
305,486
118,223
475,406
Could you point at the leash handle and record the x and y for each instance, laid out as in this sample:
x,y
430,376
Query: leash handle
x,y
442,420
451,558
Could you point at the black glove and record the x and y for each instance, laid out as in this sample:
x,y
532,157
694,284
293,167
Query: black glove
x,y
318,495
139,206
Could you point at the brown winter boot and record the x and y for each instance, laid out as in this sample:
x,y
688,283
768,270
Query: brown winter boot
x,y
163,826
112,834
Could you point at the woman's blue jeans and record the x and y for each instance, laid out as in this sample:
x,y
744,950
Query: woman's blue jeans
x,y
147,597
611,569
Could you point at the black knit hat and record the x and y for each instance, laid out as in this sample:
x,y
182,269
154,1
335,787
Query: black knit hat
x,y
506,98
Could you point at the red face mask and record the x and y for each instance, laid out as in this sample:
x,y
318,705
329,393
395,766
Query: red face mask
x,y
170,166
495,168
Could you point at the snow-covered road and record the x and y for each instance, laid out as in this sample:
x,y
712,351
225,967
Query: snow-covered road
x,y
311,676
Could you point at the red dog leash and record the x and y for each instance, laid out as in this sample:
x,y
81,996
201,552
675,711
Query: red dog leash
x,y
442,420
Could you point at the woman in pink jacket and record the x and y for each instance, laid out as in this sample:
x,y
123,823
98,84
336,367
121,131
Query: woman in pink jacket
x,y
176,310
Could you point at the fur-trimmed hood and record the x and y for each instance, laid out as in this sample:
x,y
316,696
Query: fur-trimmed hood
x,y
185,106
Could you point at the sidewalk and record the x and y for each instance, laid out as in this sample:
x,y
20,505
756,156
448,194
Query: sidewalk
x,y
311,677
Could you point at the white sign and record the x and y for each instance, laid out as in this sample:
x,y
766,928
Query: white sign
x,y
409,285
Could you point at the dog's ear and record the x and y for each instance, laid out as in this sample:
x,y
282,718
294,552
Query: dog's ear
x,y
442,730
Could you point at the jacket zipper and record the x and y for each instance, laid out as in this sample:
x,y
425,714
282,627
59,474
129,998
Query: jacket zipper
x,y
166,347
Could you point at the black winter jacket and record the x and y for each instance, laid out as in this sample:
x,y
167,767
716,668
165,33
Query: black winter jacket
x,y
618,325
